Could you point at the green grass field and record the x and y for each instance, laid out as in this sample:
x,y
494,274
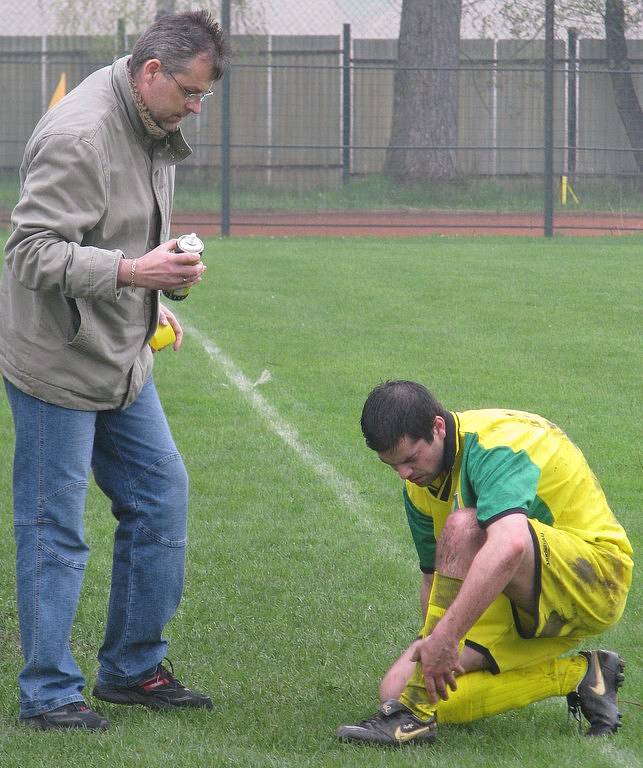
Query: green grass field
x,y
302,581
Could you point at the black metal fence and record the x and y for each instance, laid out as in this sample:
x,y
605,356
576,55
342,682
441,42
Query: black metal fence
x,y
302,126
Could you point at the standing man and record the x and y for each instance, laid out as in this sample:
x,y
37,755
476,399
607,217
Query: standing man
x,y
88,253
522,559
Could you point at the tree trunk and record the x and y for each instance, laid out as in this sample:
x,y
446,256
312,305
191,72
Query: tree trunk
x,y
627,102
425,102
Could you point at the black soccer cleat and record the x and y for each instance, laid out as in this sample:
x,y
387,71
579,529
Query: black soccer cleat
x,y
161,691
393,725
74,715
595,696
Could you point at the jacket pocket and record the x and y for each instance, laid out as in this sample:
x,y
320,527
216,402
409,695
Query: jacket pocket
x,y
83,339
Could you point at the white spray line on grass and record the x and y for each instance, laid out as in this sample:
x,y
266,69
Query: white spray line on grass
x,y
341,486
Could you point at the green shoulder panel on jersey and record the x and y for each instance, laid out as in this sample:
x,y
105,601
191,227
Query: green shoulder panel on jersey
x,y
541,511
423,533
497,479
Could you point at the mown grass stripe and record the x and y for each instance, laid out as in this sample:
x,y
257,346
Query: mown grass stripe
x,y
341,486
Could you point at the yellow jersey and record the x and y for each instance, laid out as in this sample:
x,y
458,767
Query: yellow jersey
x,y
501,462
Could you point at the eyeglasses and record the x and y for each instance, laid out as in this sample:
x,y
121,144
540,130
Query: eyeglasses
x,y
199,96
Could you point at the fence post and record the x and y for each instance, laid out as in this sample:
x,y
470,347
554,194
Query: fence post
x,y
121,38
225,131
44,71
572,95
549,119
346,105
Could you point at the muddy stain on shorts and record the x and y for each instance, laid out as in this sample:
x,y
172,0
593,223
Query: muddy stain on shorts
x,y
552,627
583,569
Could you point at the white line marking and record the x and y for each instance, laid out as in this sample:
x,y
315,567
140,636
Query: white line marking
x,y
265,377
340,485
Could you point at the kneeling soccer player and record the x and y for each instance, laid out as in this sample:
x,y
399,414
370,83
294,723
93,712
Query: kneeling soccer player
x,y
522,560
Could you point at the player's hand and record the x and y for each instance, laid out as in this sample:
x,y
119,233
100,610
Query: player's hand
x,y
439,657
168,318
162,268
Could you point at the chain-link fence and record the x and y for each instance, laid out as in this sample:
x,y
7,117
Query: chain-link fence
x,y
310,119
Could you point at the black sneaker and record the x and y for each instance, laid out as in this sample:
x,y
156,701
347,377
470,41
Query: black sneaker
x,y
595,696
393,725
161,691
75,715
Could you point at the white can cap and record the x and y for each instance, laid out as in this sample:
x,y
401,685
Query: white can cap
x,y
190,243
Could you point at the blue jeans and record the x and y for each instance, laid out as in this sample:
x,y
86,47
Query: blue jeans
x,y
136,464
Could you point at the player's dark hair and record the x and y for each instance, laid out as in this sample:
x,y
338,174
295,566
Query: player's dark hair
x,y
395,409
177,38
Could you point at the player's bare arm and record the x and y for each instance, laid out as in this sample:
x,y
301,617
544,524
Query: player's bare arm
x,y
507,547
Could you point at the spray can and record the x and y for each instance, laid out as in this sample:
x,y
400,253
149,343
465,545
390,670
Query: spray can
x,y
184,244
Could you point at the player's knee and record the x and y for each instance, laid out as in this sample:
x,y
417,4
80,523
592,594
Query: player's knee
x,y
459,542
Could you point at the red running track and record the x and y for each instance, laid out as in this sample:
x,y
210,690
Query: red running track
x,y
406,223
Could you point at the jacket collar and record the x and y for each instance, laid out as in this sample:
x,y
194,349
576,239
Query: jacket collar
x,y
177,147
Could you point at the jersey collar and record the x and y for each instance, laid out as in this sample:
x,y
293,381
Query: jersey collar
x,y
442,487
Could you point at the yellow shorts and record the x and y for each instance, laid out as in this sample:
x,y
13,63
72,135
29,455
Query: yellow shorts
x,y
581,588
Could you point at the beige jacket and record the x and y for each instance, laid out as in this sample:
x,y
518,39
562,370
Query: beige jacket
x,y
94,187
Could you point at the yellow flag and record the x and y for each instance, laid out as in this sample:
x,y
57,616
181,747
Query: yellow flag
x,y
61,90
566,187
